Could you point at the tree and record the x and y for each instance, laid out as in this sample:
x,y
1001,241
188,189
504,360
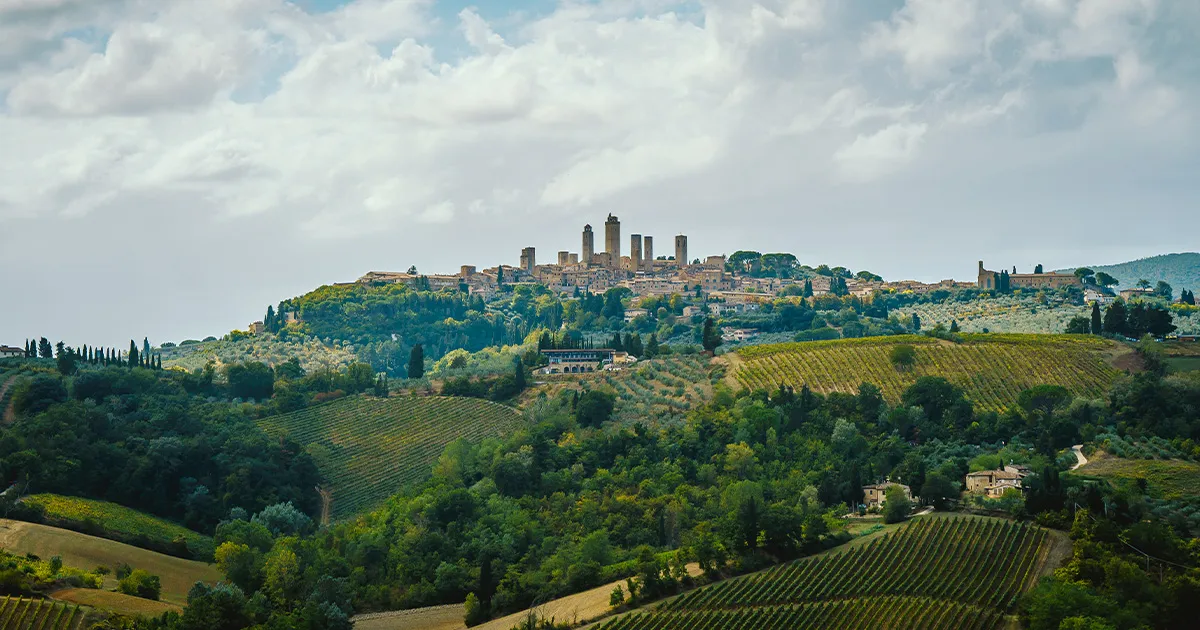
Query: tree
x,y
896,505
652,346
1085,275
45,350
1114,318
903,356
476,611
1079,325
1105,280
808,288
1038,269
283,519
710,337
938,489
519,374
416,362
252,379
1187,297
500,276
66,361
1164,291
412,270
916,323
1143,284
146,347
1097,322
133,354
954,326
594,408
140,583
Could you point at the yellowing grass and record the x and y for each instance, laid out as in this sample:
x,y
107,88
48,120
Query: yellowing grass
x,y
119,523
991,369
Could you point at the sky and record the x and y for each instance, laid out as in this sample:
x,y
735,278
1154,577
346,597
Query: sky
x,y
168,168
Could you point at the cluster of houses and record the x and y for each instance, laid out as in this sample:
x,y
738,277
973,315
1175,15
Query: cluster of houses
x,y
988,483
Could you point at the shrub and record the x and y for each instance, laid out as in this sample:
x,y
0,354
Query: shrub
x,y
903,356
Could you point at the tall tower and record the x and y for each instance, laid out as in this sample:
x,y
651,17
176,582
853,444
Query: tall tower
x,y
528,259
635,252
612,240
648,253
589,245
564,258
681,258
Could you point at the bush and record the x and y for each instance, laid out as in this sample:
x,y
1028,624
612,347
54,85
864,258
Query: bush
x,y
903,356
897,505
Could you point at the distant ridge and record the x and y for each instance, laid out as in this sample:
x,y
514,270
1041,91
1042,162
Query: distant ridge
x,y
1181,271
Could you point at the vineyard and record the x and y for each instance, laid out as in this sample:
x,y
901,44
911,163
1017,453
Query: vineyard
x,y
950,572
662,388
991,369
369,448
116,522
19,613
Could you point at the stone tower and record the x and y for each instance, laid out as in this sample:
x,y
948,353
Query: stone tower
x,y
528,259
648,253
681,258
612,240
589,245
635,252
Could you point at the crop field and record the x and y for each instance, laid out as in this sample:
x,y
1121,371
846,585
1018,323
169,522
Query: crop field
x,y
369,448
118,522
1170,479
932,573
88,552
19,613
113,602
991,369
662,388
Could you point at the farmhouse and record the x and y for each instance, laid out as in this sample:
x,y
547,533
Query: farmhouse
x,y
987,280
577,361
875,494
1129,294
9,351
993,483
634,313
738,334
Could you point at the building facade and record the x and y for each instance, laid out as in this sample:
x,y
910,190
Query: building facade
x,y
528,259
589,245
577,361
681,254
635,252
988,279
875,495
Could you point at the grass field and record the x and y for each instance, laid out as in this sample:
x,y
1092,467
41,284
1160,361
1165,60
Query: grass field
x,y
932,573
21,613
369,448
1167,479
110,520
119,603
88,552
991,369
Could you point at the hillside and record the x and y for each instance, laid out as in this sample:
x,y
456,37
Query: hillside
x,y
991,369
1181,271
89,552
117,522
311,353
952,572
368,448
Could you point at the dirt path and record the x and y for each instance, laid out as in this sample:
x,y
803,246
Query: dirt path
x,y
1078,450
9,415
326,505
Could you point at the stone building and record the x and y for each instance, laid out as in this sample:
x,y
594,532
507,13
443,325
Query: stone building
x,y
875,495
648,253
635,252
528,259
589,245
681,253
612,240
988,280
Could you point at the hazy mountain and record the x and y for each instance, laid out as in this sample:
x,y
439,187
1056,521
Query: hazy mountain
x,y
1181,271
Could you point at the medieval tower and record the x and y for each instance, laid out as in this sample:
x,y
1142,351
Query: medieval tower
x,y
612,240
589,245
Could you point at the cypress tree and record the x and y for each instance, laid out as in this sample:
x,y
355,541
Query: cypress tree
x,y
1097,322
133,354
519,373
416,362
146,348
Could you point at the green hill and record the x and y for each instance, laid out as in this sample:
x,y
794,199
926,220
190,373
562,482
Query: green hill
x,y
955,572
991,369
369,448
117,522
1181,271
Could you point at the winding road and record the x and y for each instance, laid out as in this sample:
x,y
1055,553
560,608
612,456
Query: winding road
x,y
1078,450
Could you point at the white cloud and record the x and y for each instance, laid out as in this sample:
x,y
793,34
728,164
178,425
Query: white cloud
x,y
877,154
377,128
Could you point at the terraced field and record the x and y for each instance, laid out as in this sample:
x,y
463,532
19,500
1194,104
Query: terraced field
x,y
991,369
956,572
369,448
20,613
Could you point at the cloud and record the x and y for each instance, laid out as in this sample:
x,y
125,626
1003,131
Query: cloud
x,y
393,132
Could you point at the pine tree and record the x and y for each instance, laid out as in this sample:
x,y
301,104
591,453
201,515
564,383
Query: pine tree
x,y
416,362
45,350
1097,322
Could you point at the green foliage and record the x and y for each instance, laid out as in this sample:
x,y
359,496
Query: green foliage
x,y
897,506
594,408
903,356
109,520
140,583
252,380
